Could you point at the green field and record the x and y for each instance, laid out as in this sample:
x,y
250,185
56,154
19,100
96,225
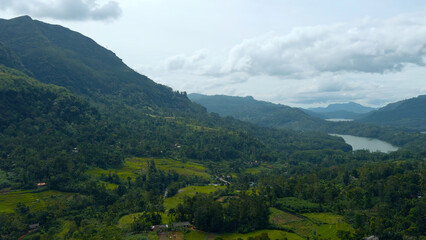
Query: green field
x,y
332,224
37,200
182,168
125,221
195,235
190,191
321,225
273,234
281,218
133,167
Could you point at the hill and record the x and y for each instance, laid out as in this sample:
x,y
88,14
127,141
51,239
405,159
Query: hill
x,y
284,117
258,112
349,110
132,115
409,114
41,125
57,55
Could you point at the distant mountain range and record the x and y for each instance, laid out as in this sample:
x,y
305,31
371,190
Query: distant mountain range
x,y
349,110
259,112
408,114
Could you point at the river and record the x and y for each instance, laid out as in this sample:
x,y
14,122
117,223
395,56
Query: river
x,y
371,144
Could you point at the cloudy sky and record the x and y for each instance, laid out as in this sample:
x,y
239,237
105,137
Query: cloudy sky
x,y
296,52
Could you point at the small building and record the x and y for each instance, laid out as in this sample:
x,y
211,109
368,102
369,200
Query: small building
x,y
42,184
34,226
371,238
181,224
159,227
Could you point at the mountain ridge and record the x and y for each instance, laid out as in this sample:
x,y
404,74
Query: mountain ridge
x,y
408,113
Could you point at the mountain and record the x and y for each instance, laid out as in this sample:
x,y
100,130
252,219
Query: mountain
x,y
409,114
349,110
258,112
61,90
40,125
56,55
284,117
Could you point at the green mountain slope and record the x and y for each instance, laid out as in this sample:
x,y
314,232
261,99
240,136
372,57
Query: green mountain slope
x,y
259,112
59,56
409,114
124,114
41,125
284,117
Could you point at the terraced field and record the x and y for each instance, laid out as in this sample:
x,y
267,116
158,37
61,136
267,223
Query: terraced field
x,y
319,225
133,167
37,200
190,191
272,234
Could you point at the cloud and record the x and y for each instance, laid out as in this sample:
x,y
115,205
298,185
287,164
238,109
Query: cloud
x,y
366,46
76,10
199,63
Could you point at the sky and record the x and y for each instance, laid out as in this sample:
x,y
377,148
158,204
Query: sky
x,y
302,53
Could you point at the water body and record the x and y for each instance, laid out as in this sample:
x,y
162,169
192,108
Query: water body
x,y
339,120
371,144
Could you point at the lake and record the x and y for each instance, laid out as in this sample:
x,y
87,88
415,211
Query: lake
x,y
339,120
371,144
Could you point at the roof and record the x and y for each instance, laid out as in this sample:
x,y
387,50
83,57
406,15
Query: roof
x,y
181,224
34,225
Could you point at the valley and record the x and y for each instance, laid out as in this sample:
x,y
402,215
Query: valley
x,y
91,149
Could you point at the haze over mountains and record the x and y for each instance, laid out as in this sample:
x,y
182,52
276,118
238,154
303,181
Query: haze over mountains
x,y
349,110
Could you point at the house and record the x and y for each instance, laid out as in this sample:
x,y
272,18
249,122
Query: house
x,y
42,184
181,224
34,226
159,227
371,238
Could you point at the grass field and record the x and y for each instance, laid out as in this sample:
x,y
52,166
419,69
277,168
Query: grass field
x,y
332,224
195,235
182,168
281,218
9,200
133,167
273,234
190,191
125,221
321,225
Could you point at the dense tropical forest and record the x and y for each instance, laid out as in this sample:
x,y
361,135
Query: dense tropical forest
x,y
90,149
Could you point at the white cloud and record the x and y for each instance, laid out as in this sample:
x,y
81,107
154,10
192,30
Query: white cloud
x,y
64,9
369,61
368,47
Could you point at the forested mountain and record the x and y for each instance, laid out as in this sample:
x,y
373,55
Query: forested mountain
x,y
349,110
59,56
258,112
130,115
409,114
